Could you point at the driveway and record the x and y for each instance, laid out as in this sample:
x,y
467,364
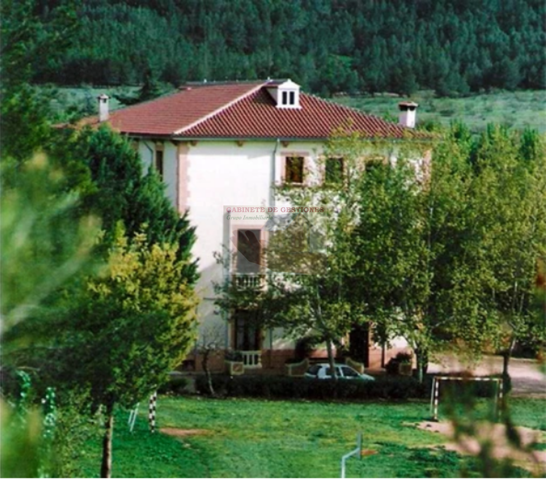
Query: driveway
x,y
527,379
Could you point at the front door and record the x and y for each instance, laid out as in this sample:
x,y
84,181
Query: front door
x,y
247,333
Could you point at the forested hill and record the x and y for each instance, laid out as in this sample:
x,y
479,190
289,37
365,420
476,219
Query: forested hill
x,y
451,46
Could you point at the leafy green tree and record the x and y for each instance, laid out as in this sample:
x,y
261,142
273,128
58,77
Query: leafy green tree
x,y
28,39
47,243
126,328
46,240
122,191
150,89
509,204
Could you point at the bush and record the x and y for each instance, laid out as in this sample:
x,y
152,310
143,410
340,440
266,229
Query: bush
x,y
401,358
175,386
282,387
295,388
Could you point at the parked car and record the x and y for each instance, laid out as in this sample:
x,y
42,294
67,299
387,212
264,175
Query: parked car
x,y
323,371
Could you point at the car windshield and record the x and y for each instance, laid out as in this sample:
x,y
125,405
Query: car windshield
x,y
313,370
349,372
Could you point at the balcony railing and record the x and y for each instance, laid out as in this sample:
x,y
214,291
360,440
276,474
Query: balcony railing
x,y
248,280
252,359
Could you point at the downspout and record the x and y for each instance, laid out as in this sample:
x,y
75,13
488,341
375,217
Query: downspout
x,y
272,205
151,153
273,173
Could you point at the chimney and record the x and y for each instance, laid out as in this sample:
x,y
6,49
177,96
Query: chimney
x,y
408,111
103,107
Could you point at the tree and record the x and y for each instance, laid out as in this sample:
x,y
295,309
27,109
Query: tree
x,y
150,89
47,243
122,191
509,204
210,343
126,329
46,239
27,40
449,260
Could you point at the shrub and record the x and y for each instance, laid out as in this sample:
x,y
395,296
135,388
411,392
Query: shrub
x,y
296,388
281,387
400,358
175,385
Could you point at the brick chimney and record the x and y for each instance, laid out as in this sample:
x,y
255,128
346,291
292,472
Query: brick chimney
x,y
408,113
103,107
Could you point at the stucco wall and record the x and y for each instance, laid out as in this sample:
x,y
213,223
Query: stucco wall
x,y
224,174
205,177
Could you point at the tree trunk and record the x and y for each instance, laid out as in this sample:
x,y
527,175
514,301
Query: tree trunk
x,y
422,363
106,467
507,354
205,364
331,359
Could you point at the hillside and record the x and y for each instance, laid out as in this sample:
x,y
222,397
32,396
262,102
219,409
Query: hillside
x,y
450,46
518,109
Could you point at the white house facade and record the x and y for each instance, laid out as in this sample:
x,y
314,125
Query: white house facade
x,y
220,149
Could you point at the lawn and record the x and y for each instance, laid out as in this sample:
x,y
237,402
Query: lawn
x,y
256,438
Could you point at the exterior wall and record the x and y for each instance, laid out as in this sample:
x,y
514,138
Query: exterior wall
x,y
146,149
221,175
206,177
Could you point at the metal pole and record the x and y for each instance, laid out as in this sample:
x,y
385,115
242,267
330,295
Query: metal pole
x,y
436,398
132,419
432,396
151,411
356,451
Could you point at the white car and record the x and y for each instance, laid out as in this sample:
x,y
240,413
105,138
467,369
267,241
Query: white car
x,y
323,371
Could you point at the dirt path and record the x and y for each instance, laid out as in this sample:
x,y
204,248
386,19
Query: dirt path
x,y
494,434
527,379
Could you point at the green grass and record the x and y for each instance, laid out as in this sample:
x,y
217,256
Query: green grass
x,y
253,438
514,109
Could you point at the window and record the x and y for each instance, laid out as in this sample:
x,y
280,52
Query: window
x,y
249,251
247,335
334,170
349,372
288,98
294,170
158,161
376,163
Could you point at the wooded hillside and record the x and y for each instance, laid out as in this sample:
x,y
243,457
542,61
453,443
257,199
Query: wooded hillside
x,y
451,46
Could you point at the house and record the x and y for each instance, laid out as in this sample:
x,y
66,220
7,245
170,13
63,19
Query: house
x,y
219,148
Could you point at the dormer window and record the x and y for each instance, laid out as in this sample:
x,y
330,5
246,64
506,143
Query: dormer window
x,y
287,94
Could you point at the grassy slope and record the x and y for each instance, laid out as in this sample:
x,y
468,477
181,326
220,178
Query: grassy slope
x,y
251,438
514,109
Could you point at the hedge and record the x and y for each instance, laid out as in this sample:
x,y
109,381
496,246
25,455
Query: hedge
x,y
283,387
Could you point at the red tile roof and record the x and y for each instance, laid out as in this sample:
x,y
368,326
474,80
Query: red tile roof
x,y
243,110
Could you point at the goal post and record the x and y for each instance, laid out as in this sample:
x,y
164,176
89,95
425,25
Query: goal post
x,y
435,390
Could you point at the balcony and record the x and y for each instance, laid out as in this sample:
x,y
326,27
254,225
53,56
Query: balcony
x,y
252,359
248,280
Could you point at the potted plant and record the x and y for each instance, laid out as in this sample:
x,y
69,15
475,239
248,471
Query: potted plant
x,y
234,362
